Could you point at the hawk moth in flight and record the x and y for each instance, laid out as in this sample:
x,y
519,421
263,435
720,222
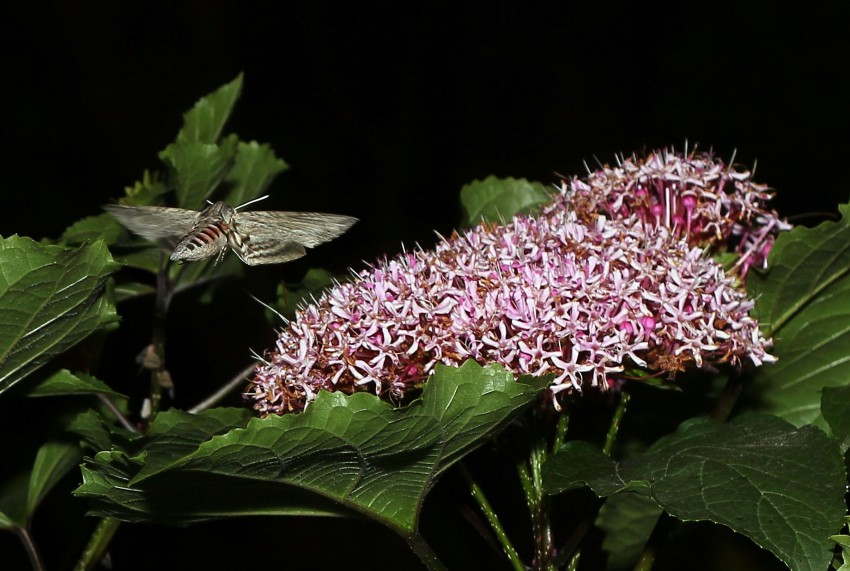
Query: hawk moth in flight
x,y
258,237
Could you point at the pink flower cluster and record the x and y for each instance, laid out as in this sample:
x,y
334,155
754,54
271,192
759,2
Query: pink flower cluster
x,y
612,276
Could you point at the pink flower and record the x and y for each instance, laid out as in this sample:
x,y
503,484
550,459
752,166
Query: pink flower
x,y
612,276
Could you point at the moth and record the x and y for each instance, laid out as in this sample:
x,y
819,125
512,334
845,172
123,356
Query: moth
x,y
257,237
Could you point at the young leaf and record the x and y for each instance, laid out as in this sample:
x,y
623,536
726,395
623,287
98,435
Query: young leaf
x,y
199,168
55,458
205,121
50,298
64,382
627,520
343,453
254,168
98,434
803,301
782,487
494,199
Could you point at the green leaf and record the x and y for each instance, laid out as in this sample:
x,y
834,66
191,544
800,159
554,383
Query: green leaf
x,y
291,296
63,382
176,434
343,454
130,290
55,458
628,521
205,121
495,200
199,168
254,169
145,192
803,301
578,464
782,487
50,299
99,434
835,407
148,258
13,500
90,229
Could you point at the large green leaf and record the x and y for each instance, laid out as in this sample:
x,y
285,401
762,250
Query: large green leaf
x,y
782,487
50,298
495,200
343,454
205,121
803,301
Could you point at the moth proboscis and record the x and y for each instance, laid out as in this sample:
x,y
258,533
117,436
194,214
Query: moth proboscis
x,y
257,237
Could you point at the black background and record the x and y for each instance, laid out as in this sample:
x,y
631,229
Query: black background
x,y
383,110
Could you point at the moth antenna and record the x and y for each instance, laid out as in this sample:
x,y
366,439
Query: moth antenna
x,y
251,202
270,308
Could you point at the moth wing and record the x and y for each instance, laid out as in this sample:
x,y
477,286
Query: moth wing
x,y
154,222
276,237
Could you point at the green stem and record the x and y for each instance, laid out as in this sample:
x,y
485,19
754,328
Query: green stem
x,y
561,429
164,292
424,552
539,505
163,297
100,538
118,415
107,527
30,547
587,521
728,398
616,420
493,520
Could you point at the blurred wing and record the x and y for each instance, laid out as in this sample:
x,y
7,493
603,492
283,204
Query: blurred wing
x,y
276,237
154,222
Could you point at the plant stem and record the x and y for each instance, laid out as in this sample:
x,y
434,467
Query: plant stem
x,y
616,420
728,398
100,538
560,432
493,520
114,409
30,547
539,505
163,299
587,521
424,552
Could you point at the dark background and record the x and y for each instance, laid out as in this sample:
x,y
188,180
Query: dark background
x,y
384,109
